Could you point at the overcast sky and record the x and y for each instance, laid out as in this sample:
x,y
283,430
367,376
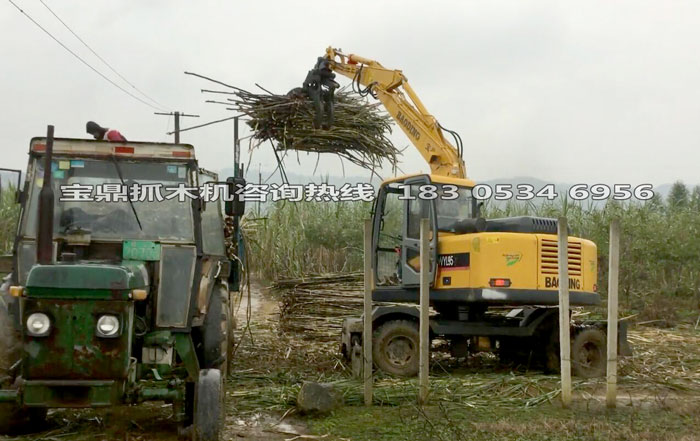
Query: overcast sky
x,y
597,91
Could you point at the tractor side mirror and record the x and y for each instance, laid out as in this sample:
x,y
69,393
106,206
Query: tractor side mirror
x,y
235,206
18,191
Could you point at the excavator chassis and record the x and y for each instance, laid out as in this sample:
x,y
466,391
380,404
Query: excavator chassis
x,y
533,330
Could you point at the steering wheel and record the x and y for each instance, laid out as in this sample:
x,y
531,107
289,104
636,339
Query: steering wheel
x,y
116,221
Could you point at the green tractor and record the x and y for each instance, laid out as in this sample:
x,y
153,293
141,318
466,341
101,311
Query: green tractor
x,y
117,297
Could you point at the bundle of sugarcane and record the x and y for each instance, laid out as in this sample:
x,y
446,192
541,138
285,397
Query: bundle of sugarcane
x,y
359,132
315,306
322,280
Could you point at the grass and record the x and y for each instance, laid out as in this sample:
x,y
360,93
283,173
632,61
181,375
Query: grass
x,y
271,365
478,399
585,421
296,239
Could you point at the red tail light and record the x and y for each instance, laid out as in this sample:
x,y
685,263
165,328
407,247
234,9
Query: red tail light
x,y
124,150
499,283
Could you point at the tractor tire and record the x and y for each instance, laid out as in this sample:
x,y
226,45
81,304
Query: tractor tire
x,y
216,331
208,405
10,339
589,353
14,419
229,341
395,348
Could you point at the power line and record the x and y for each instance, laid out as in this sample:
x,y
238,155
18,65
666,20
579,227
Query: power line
x,y
81,60
97,55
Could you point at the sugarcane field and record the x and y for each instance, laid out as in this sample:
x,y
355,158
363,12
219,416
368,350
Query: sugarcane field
x,y
241,221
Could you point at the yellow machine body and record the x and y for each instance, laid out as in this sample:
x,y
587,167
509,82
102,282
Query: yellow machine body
x,y
498,264
525,261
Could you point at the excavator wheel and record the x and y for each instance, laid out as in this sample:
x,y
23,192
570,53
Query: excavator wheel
x,y
395,348
589,353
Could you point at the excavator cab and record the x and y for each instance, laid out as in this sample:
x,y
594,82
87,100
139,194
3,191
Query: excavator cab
x,y
401,204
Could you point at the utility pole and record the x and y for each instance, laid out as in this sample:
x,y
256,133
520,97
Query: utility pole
x,y
613,274
260,184
367,315
424,320
236,147
177,116
564,318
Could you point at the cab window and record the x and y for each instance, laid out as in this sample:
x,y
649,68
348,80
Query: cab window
x,y
212,223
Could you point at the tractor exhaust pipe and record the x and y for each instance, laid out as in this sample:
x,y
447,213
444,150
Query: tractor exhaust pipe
x,y
44,248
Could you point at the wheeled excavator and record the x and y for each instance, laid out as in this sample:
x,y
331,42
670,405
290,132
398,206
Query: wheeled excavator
x,y
477,266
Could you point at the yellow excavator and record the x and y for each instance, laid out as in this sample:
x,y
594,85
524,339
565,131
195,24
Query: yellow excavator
x,y
477,265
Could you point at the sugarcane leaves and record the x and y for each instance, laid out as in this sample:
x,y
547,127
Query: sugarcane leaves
x,y
359,133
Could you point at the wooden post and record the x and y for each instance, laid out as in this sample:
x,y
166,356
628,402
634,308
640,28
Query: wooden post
x,y
424,324
367,329
613,273
564,326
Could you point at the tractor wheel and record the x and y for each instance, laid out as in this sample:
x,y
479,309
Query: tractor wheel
x,y
208,405
230,344
10,338
395,348
215,338
588,353
13,418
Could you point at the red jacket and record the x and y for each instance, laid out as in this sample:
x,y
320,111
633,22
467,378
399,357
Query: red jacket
x,y
114,135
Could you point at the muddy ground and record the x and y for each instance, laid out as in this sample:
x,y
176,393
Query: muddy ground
x,y
153,421
661,381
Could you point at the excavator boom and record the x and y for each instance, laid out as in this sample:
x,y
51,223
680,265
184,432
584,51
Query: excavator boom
x,y
391,87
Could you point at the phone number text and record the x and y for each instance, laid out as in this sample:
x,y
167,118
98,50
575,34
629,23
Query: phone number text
x,y
526,192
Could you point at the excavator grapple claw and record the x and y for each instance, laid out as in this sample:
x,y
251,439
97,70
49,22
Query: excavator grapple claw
x,y
320,86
